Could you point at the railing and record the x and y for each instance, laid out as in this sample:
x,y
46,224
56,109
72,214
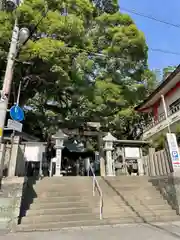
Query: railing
x,y
96,186
161,118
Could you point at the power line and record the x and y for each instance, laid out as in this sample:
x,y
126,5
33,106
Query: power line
x,y
150,17
164,51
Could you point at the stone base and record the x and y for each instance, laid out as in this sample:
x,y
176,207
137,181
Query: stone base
x,y
57,175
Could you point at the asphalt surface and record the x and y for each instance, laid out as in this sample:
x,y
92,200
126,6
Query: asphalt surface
x,y
168,231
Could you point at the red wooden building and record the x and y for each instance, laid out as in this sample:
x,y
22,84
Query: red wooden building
x,y
163,107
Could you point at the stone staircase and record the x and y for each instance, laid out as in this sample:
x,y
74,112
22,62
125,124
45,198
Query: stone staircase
x,y
139,200
67,202
61,203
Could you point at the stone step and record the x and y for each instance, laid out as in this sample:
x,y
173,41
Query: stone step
x,y
145,205
63,188
126,177
154,207
64,225
48,199
52,205
58,211
132,188
150,190
155,213
165,218
63,183
61,193
119,204
136,202
56,180
58,218
127,181
147,198
129,185
142,198
139,210
88,223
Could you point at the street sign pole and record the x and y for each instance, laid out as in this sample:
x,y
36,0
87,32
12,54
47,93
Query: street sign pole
x,y
173,151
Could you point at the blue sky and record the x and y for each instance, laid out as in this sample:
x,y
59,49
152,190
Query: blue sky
x,y
158,35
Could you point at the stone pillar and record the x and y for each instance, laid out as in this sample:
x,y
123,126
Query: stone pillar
x,y
101,156
58,161
109,163
59,138
86,165
140,164
14,157
151,162
124,169
109,139
102,166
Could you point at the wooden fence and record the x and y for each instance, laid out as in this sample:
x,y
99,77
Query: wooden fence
x,y
157,164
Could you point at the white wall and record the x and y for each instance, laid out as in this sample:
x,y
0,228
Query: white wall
x,y
169,100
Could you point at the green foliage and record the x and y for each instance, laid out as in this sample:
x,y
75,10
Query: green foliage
x,y
159,142
167,70
89,63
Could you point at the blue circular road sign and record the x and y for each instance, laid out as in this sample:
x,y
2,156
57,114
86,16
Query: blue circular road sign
x,y
16,113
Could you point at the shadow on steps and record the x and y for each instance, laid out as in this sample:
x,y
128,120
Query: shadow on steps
x,y
27,198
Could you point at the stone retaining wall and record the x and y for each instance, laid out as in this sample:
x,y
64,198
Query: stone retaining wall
x,y
10,202
169,187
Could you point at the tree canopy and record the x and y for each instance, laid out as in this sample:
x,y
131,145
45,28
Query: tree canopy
x,y
86,61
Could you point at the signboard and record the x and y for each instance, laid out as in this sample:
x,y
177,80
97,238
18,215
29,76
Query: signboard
x,y
31,154
17,126
34,152
132,152
173,149
17,113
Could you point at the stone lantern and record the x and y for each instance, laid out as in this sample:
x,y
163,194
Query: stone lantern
x,y
108,147
59,138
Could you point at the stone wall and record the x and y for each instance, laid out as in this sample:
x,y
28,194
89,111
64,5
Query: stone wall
x,y
15,156
10,202
5,155
169,187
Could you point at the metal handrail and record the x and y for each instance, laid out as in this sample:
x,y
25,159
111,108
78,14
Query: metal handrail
x,y
96,186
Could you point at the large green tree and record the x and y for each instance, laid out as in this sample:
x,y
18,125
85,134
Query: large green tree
x,y
86,62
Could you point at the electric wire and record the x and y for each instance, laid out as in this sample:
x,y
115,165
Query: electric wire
x,y
150,17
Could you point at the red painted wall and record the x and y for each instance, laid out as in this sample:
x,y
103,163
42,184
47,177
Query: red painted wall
x,y
156,105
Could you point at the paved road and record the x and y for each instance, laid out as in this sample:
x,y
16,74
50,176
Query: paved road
x,y
136,232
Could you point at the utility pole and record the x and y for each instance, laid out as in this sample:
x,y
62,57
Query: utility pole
x,y
8,78
19,36
11,5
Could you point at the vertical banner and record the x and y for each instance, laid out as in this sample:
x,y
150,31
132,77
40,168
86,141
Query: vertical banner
x,y
173,150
